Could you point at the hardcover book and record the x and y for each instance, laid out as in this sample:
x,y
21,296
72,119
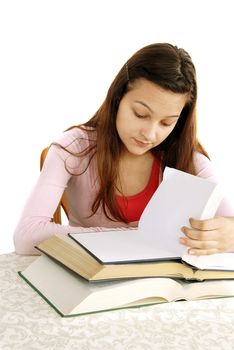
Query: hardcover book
x,y
71,295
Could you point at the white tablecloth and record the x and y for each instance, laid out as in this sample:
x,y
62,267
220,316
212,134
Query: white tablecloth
x,y
27,321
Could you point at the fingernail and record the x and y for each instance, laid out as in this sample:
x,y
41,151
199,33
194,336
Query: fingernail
x,y
191,252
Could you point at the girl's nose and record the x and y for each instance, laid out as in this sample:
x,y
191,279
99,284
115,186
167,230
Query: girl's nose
x,y
150,133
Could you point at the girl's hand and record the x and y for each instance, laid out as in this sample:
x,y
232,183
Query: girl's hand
x,y
211,236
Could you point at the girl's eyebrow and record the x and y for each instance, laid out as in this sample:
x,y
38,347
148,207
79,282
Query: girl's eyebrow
x,y
145,105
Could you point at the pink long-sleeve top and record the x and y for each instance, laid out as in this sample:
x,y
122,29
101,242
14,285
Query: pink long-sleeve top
x,y
35,223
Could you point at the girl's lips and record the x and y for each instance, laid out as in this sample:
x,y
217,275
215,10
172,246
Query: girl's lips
x,y
141,143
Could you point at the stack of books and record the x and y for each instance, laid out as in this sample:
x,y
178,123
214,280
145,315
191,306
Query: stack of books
x,y
92,272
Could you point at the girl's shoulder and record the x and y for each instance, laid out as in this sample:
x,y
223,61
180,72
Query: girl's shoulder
x,y
76,139
68,148
204,167
200,159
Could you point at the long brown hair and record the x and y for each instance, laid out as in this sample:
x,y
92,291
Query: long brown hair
x,y
172,69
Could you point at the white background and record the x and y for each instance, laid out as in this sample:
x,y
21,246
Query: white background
x,y
58,59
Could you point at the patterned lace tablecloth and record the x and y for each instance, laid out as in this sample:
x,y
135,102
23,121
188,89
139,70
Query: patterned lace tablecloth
x,y
28,323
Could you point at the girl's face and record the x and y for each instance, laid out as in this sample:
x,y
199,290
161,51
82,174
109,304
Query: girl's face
x,y
147,114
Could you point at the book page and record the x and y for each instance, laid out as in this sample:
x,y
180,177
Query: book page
x,y
222,261
179,197
122,246
209,289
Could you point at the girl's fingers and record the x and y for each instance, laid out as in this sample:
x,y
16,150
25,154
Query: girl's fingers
x,y
204,245
200,235
193,251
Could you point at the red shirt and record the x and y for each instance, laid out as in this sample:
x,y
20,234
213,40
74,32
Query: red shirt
x,y
133,206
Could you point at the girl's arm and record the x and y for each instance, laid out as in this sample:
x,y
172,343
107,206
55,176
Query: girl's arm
x,y
35,223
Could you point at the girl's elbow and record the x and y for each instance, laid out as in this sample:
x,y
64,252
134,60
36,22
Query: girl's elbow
x,y
23,247
23,242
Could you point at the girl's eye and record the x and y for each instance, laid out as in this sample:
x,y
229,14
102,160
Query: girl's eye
x,y
166,124
139,115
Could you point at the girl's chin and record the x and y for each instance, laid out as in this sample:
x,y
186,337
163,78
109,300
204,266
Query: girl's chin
x,y
136,152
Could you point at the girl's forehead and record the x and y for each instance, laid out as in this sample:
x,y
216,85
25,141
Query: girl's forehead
x,y
152,97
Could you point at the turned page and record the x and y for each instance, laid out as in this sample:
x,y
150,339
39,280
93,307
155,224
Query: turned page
x,y
179,197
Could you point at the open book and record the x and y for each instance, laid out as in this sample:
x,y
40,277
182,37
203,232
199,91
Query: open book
x,y
153,249
71,295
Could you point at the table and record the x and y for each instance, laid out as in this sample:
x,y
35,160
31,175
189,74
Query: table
x,y
27,322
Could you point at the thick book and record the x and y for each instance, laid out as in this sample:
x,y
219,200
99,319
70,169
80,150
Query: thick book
x,y
72,295
153,249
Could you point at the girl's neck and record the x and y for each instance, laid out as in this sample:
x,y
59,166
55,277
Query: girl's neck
x,y
128,158
134,173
